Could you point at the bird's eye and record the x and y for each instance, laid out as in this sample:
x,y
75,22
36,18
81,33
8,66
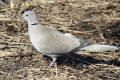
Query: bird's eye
x,y
26,15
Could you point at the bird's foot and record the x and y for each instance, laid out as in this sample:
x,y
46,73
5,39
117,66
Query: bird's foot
x,y
53,61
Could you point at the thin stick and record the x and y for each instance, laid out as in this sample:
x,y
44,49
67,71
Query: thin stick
x,y
4,53
56,70
16,43
12,4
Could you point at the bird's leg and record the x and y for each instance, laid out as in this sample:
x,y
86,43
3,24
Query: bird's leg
x,y
53,61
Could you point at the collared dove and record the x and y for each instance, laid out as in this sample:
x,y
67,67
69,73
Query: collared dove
x,y
55,44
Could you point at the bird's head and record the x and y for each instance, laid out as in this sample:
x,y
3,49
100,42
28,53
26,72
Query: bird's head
x,y
30,16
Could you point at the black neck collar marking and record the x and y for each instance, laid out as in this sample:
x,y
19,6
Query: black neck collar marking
x,y
35,24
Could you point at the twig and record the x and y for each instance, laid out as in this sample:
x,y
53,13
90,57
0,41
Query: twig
x,y
5,19
12,4
13,54
4,53
16,43
83,32
101,34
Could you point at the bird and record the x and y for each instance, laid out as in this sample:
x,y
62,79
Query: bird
x,y
54,44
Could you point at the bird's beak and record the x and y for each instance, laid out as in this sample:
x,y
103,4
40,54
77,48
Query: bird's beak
x,y
22,18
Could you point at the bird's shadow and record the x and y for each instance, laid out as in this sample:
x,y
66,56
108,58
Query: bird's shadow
x,y
79,61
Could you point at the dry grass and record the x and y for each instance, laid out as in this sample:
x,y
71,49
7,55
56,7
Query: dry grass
x,y
96,20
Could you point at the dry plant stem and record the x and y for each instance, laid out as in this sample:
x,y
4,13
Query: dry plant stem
x,y
12,4
12,54
56,70
5,19
16,43
6,54
101,34
113,18
79,32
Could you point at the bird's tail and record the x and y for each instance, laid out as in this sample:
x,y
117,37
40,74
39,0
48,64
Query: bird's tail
x,y
90,47
99,48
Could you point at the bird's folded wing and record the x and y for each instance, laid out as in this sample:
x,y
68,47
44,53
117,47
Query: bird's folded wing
x,y
58,43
